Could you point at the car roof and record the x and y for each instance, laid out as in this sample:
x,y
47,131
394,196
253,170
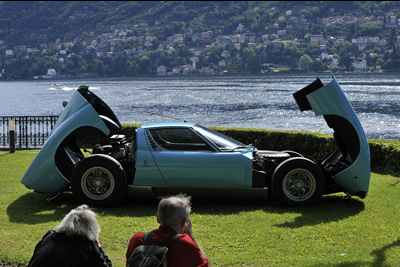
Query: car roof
x,y
183,124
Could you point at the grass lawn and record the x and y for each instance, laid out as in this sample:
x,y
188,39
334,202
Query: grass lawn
x,y
334,232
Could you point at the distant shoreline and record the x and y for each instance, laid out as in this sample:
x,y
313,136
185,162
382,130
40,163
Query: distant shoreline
x,y
57,78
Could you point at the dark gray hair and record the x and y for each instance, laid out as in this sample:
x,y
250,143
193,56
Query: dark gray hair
x,y
80,221
173,210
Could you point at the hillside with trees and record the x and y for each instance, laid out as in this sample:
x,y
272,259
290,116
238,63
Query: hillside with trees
x,y
131,38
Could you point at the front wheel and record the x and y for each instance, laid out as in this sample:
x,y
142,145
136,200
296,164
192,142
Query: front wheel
x,y
99,180
298,182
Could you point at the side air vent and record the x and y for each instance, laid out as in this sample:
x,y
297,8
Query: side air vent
x,y
152,142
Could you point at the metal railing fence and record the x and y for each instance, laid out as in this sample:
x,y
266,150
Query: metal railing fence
x,y
30,131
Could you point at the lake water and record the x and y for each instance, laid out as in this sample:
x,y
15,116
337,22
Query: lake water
x,y
259,101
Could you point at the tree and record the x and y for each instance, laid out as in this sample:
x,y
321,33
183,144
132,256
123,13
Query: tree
x,y
371,29
317,65
346,61
144,64
372,59
39,24
379,62
99,67
132,70
305,61
77,48
249,60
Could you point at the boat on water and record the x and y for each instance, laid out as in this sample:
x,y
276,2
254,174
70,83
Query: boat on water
x,y
58,86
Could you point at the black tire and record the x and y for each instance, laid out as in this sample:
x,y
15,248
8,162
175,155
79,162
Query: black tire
x,y
99,180
298,182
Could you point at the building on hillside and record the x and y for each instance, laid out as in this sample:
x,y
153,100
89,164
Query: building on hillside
x,y
51,72
360,42
316,39
360,65
162,70
240,27
9,52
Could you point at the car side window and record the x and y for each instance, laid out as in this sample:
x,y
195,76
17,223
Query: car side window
x,y
181,139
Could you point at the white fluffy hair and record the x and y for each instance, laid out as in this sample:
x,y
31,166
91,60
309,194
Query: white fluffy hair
x,y
173,210
80,221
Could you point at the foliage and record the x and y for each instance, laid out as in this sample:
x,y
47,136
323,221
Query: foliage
x,y
385,155
44,25
305,62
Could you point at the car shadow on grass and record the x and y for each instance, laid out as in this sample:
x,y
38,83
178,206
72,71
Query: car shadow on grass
x,y
33,208
328,209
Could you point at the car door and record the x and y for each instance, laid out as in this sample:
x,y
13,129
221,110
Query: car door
x,y
185,159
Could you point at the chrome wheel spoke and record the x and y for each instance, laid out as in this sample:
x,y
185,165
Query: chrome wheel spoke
x,y
299,184
98,183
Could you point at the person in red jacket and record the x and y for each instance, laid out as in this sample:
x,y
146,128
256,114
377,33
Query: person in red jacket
x,y
173,217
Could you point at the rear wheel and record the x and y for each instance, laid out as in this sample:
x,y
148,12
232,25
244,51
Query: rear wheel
x,y
298,182
99,180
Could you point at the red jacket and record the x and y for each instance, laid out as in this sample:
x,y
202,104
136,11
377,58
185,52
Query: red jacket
x,y
183,251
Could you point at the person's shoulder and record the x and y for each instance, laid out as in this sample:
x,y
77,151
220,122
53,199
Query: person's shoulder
x,y
137,236
49,233
184,238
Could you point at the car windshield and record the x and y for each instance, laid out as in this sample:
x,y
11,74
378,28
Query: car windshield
x,y
223,142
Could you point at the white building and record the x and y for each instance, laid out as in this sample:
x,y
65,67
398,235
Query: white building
x,y
51,72
360,65
161,70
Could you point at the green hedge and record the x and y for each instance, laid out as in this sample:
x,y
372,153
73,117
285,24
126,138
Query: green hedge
x,y
385,154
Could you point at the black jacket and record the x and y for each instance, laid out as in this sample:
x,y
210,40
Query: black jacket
x,y
59,250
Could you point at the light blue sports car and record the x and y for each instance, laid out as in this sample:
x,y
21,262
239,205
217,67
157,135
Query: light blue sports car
x,y
173,157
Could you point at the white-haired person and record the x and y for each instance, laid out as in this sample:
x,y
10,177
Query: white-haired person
x,y
173,217
74,242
